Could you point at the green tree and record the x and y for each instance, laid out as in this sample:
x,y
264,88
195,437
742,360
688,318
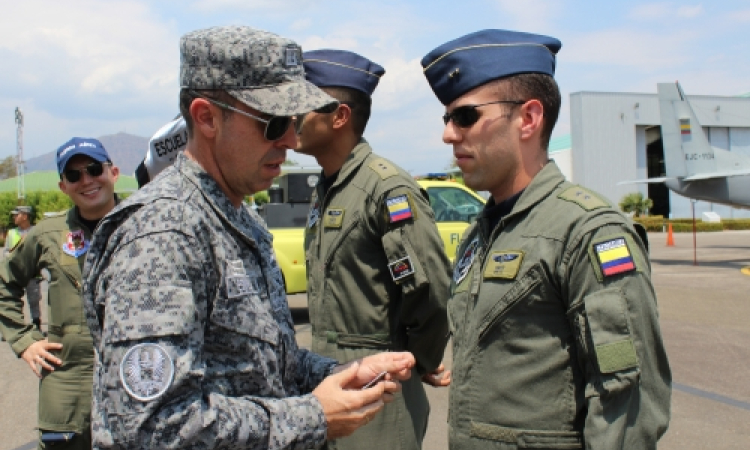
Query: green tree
x,y
8,167
636,203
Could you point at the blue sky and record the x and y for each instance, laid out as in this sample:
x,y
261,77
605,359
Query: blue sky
x,y
97,67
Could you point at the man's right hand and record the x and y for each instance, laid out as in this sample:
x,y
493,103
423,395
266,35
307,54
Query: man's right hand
x,y
347,409
38,354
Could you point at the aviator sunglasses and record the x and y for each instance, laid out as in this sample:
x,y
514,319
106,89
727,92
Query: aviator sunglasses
x,y
95,169
467,115
276,126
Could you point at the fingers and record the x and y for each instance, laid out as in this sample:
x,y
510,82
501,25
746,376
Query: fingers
x,y
438,377
38,355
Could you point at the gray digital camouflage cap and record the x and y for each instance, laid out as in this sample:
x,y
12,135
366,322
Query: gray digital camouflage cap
x,y
258,68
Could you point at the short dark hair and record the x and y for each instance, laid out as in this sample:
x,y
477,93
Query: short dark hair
x,y
188,95
359,102
537,86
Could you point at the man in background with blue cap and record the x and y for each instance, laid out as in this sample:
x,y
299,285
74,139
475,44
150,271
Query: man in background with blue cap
x,y
377,272
556,339
64,360
194,344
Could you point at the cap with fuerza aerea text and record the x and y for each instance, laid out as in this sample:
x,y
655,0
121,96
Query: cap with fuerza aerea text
x,y
80,146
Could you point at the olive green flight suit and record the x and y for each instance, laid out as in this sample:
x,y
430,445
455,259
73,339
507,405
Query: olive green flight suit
x,y
378,280
556,339
65,393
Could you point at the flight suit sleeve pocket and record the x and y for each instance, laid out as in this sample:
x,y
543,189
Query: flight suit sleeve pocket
x,y
613,344
403,264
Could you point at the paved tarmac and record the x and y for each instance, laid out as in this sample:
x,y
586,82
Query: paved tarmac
x,y
705,319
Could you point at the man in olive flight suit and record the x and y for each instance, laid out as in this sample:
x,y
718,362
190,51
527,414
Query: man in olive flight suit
x,y
556,339
64,360
377,272
23,219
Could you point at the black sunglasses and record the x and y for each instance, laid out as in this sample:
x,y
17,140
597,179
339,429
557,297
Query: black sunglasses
x,y
95,169
329,108
276,126
467,115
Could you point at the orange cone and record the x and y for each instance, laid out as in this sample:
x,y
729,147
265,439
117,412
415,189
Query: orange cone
x,y
670,238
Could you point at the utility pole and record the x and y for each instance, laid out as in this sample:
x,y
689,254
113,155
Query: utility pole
x,y
19,157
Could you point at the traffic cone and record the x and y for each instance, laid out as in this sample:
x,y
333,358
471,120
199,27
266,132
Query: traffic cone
x,y
670,238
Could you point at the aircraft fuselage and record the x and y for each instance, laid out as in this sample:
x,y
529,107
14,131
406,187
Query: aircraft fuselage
x,y
731,191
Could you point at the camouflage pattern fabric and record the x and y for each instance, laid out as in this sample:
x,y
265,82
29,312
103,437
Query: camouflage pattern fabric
x,y
261,69
178,268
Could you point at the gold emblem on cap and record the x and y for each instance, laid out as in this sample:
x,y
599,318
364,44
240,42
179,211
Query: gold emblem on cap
x,y
454,73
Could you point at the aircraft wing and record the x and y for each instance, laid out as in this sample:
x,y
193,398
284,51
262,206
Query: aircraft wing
x,y
709,175
646,180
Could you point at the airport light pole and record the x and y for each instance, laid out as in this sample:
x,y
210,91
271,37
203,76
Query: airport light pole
x,y
21,187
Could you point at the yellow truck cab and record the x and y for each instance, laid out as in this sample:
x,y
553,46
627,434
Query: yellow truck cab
x,y
454,204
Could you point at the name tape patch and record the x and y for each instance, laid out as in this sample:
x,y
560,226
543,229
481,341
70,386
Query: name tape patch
x,y
398,208
334,218
504,264
614,257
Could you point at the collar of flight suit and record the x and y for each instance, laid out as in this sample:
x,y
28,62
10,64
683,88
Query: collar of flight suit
x,y
353,162
541,186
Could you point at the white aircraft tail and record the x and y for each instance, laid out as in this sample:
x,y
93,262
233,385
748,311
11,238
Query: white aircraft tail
x,y
687,153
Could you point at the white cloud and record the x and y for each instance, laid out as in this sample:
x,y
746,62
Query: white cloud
x,y
252,5
690,12
535,16
665,10
641,50
301,24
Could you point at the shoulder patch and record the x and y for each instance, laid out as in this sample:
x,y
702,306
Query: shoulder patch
x,y
146,371
585,198
399,208
383,168
614,257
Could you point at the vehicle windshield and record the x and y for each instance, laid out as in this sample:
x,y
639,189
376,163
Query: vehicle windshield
x,y
453,205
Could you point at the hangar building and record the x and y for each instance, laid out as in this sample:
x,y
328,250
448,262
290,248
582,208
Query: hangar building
x,y
617,137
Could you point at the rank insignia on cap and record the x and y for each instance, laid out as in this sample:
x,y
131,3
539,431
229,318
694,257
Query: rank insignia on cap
x,y
401,268
292,56
146,371
398,208
76,244
463,264
614,256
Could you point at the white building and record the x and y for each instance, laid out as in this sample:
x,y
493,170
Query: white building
x,y
616,137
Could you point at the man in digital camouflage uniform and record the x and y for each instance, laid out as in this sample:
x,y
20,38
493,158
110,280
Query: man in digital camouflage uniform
x,y
193,339
377,272
556,339
63,360
23,219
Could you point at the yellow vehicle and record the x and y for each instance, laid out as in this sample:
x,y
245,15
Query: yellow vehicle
x,y
455,208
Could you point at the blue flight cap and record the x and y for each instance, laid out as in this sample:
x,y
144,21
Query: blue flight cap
x,y
341,68
462,64
80,146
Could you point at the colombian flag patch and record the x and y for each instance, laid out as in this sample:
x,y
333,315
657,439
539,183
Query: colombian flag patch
x,y
398,208
614,256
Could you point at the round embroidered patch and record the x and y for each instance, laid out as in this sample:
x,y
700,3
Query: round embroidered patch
x,y
146,371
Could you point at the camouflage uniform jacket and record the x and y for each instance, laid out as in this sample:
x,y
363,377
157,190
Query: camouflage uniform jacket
x,y
194,343
556,339
57,244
